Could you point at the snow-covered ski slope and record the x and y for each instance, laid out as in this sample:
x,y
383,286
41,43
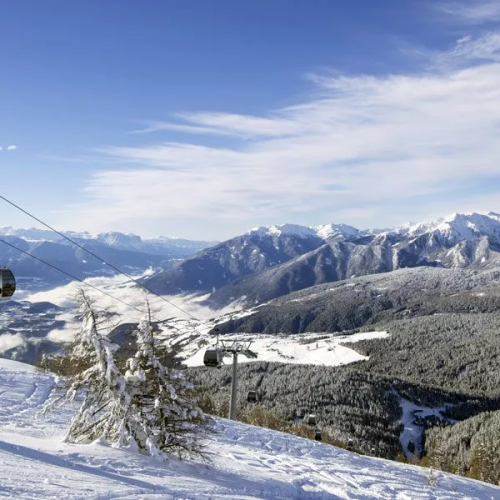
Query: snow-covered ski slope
x,y
305,349
244,462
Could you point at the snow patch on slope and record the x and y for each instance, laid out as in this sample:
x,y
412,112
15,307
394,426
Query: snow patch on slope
x,y
413,425
304,349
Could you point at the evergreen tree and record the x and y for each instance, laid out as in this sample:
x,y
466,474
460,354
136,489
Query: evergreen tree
x,y
164,416
482,464
101,385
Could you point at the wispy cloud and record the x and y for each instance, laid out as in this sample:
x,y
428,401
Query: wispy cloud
x,y
159,126
471,11
385,143
12,147
225,124
485,47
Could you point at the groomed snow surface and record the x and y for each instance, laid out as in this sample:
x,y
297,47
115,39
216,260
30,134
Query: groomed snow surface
x,y
244,462
305,349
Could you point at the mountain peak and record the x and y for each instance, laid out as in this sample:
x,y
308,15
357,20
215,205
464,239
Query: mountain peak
x,y
284,229
455,227
323,231
326,231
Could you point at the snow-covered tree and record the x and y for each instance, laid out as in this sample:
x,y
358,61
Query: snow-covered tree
x,y
101,385
148,409
165,417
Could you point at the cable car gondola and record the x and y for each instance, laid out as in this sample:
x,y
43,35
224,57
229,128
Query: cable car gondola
x,y
317,436
310,419
213,357
252,397
7,283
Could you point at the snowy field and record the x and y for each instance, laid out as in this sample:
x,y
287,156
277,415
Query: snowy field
x,y
244,462
306,349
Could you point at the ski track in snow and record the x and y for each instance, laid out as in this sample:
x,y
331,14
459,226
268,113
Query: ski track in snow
x,y
244,462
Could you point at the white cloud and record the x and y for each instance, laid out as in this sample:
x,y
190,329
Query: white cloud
x,y
359,146
12,147
485,47
472,11
224,124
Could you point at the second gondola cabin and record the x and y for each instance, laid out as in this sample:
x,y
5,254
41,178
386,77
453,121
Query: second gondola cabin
x,y
7,283
310,419
252,397
213,357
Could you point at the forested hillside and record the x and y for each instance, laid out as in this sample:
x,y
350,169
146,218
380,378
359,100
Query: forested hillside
x,y
352,303
348,404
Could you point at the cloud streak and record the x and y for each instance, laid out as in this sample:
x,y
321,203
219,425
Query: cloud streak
x,y
472,12
361,149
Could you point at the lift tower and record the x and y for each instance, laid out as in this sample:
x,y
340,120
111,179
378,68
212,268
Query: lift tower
x,y
213,357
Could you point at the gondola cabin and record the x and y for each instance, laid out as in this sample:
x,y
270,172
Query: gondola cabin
x,y
213,358
252,397
310,419
317,436
7,283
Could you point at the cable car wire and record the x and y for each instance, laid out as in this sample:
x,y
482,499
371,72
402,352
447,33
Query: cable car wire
x,y
69,275
170,326
97,257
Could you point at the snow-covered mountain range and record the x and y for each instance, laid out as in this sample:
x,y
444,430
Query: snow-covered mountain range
x,y
454,228
126,251
162,245
290,257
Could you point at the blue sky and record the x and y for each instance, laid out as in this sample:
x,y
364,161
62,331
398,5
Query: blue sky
x,y
204,118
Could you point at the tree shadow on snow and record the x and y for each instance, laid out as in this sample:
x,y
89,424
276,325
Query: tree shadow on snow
x,y
271,488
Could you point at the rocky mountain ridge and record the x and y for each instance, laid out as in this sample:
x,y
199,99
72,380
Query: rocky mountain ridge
x,y
269,262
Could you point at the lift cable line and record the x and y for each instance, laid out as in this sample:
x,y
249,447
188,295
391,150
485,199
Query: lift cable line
x,y
170,326
97,257
69,275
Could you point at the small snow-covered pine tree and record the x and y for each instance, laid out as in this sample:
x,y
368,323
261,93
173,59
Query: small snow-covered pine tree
x,y
165,418
105,402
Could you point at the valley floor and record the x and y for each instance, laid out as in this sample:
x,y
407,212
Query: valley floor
x,y
244,462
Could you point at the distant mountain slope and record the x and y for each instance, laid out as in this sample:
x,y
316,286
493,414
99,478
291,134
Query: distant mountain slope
x,y
244,255
162,245
270,262
125,251
350,304
71,259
